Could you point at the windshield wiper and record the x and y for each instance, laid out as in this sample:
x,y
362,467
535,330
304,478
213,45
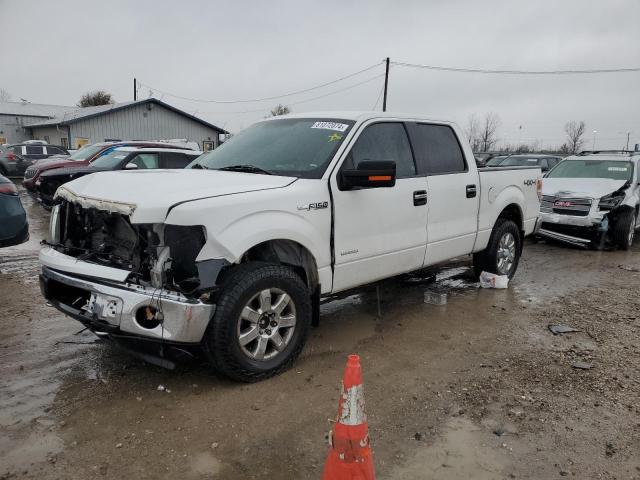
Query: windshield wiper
x,y
199,165
245,168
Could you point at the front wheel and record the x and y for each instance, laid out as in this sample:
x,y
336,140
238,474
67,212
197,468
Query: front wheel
x,y
261,322
503,251
624,229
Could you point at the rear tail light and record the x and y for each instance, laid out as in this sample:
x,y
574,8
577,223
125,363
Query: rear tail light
x,y
11,157
8,189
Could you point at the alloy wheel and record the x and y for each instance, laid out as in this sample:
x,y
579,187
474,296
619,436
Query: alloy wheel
x,y
266,324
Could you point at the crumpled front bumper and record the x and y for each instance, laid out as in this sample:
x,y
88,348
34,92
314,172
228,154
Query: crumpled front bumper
x,y
569,228
110,307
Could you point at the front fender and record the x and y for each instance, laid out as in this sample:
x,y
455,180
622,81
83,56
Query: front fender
x,y
258,227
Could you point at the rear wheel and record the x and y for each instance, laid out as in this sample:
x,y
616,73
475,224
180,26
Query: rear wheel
x,y
503,251
261,322
624,229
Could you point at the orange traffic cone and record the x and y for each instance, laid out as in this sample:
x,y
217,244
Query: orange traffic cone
x,y
349,453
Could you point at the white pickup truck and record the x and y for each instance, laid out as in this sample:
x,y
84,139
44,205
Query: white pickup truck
x,y
232,255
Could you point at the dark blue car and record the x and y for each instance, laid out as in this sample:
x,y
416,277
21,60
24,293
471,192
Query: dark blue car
x,y
14,228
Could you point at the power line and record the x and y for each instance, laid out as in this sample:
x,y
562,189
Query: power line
x,y
518,72
274,97
301,101
379,96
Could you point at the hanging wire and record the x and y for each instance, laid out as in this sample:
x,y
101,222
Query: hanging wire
x,y
518,72
379,97
350,87
274,97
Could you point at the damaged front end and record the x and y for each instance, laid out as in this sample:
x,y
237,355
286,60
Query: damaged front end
x,y
140,284
580,221
156,255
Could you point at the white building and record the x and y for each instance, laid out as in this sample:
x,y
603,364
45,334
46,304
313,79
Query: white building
x,y
73,127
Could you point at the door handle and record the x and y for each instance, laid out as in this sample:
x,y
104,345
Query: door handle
x,y
471,191
420,197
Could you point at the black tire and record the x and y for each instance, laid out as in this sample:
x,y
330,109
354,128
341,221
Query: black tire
x,y
624,229
240,285
487,260
3,171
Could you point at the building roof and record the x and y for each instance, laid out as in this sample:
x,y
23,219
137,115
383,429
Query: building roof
x,y
33,109
77,114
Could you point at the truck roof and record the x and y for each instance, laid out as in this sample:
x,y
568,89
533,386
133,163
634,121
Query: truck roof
x,y
608,156
357,115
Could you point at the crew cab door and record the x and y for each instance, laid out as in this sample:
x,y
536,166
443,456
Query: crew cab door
x,y
379,232
453,191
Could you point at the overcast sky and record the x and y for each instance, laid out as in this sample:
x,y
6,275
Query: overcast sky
x,y
53,51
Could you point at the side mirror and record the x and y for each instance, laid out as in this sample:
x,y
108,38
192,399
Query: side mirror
x,y
369,174
131,166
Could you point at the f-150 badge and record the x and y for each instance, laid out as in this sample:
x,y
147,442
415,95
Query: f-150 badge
x,y
314,206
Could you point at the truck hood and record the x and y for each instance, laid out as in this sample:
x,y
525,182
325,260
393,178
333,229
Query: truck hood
x,y
147,196
580,187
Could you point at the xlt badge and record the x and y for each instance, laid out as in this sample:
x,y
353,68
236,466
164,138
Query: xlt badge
x,y
314,206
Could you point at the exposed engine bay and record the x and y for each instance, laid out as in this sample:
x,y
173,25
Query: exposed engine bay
x,y
158,255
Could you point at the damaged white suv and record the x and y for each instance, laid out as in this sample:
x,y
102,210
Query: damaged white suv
x,y
231,255
592,199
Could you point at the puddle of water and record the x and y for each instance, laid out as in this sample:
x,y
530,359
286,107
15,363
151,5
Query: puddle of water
x,y
204,464
17,454
465,451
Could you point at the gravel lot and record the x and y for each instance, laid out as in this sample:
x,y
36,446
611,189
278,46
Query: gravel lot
x,y
478,388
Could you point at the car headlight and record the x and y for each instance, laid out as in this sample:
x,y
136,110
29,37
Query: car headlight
x,y
54,226
610,202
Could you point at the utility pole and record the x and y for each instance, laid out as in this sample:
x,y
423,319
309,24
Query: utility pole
x,y
386,85
135,90
628,135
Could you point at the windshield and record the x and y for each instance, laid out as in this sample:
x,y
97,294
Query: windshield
x,y
110,160
615,170
298,147
86,152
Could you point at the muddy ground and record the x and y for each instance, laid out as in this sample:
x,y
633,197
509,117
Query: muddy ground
x,y
477,388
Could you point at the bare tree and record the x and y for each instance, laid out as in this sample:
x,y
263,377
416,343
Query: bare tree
x,y
488,130
4,95
575,132
280,110
472,131
94,98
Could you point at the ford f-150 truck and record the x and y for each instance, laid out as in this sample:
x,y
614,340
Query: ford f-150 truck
x,y
232,255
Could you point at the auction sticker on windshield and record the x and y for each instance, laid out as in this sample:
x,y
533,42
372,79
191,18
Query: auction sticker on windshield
x,y
339,127
617,169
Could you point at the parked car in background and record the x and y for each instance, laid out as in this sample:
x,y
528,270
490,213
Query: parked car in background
x,y
15,159
545,162
482,158
120,158
232,255
496,161
84,157
592,199
14,228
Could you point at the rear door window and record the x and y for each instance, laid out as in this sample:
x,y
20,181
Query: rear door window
x,y
437,149
35,150
175,160
145,160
